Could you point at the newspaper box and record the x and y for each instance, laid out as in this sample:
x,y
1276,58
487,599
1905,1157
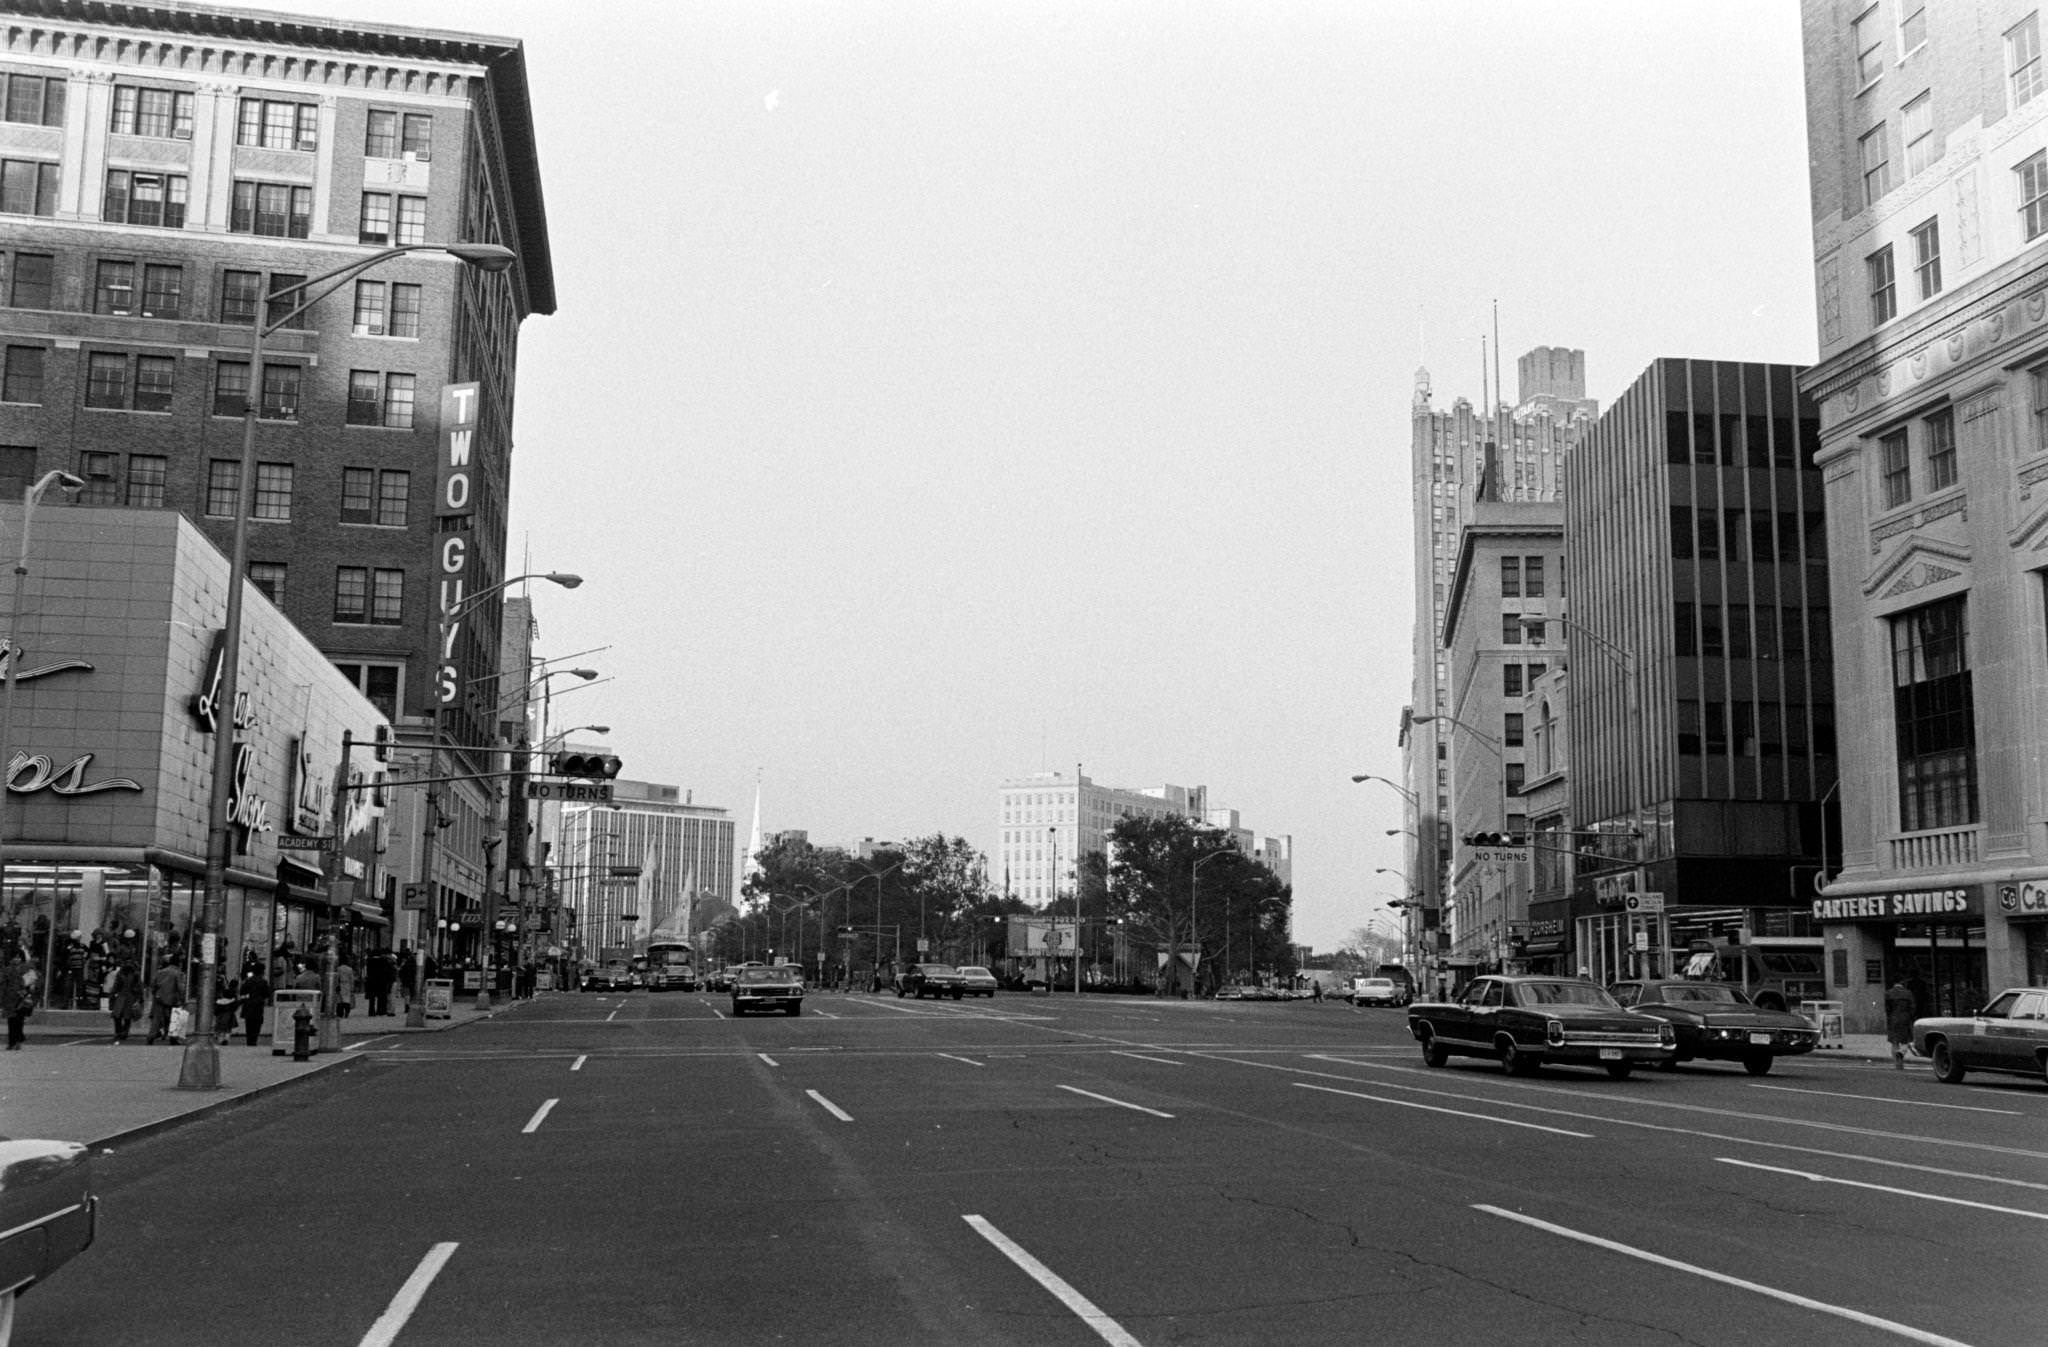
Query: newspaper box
x,y
1825,1016
440,998
283,1005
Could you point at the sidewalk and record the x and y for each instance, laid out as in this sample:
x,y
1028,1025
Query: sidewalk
x,y
72,1082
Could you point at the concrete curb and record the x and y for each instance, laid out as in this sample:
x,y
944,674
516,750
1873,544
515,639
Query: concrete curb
x,y
211,1107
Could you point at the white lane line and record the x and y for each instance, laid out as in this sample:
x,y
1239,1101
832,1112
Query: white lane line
x,y
969,1060
1118,1102
614,1015
716,1011
540,1114
825,1015
577,1065
1881,1188
1854,1316
367,1042
1164,1061
1649,1126
385,1331
1880,1099
1106,1328
1454,1112
766,1058
830,1107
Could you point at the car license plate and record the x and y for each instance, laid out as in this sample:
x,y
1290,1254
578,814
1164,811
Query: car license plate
x,y
1764,1039
1610,1054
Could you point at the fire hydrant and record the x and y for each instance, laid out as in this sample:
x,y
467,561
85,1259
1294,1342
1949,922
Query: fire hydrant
x,y
302,1034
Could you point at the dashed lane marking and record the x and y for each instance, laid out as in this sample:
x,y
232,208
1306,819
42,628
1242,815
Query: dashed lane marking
x,y
539,1115
969,1060
1106,1328
1881,1188
1075,1089
1880,1099
830,1107
1790,1298
766,1058
385,1331
1163,1061
577,1065
1454,1112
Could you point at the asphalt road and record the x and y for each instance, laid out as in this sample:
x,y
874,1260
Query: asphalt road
x,y
643,1169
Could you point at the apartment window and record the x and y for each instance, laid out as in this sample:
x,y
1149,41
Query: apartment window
x,y
223,484
1895,469
29,282
376,219
231,388
281,392
1511,577
21,377
165,114
239,293
273,492
380,135
2023,57
270,209
1532,577
1927,258
412,220
275,125
1716,726
376,399
1737,614
27,187
1510,629
1792,632
1706,532
370,313
405,310
1941,449
387,597
1884,289
284,304
398,401
1712,640
2038,380
1866,39
1513,775
378,682
155,200
1934,717
268,576
146,474
163,291
1511,680
113,289
1511,730
1681,532
1683,641
2033,175
37,100
1877,164
1917,123
98,469
154,375
1912,27
352,594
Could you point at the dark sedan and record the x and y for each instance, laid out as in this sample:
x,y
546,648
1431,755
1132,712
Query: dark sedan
x,y
1529,1022
1717,1023
2010,1034
47,1211
931,979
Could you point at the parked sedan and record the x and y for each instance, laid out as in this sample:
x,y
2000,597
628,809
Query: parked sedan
x,y
1529,1022
979,981
47,1213
2010,1034
1717,1023
763,988
1374,992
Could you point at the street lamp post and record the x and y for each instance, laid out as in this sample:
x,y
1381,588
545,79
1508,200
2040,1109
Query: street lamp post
x,y
1413,927
199,1066
11,652
1194,879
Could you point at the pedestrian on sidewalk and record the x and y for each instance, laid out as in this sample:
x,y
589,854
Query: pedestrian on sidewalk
x,y
344,989
378,976
166,993
255,996
1898,1020
227,996
124,997
15,1002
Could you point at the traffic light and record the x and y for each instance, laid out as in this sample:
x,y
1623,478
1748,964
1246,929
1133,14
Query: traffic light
x,y
1493,840
594,766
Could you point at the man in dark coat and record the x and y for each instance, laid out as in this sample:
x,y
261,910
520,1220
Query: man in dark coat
x,y
255,997
166,993
1899,1013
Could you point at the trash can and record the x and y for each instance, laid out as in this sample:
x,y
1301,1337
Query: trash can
x,y
283,1004
1825,1016
440,998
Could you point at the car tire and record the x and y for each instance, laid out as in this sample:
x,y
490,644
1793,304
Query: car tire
x,y
1947,1069
899,993
1668,1063
1433,1052
1513,1060
1620,1070
1758,1063
737,1012
956,996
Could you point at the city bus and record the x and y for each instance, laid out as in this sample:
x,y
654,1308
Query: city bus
x,y
671,966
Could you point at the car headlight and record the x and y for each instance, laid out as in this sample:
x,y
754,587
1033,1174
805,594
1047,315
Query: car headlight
x,y
1665,1034
1553,1031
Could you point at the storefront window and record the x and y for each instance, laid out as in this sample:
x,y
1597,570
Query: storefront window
x,y
1934,715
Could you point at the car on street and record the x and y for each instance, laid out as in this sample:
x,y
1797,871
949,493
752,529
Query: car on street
x,y
611,977
762,987
47,1213
2009,1035
1526,1023
1716,1022
931,979
979,981
1374,992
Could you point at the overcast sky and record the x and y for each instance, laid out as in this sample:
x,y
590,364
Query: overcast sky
x,y
944,392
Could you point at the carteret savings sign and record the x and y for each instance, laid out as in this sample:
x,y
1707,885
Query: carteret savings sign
x,y
454,505
1909,905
